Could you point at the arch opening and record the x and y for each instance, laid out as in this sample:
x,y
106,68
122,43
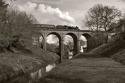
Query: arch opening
x,y
84,42
70,45
41,41
53,43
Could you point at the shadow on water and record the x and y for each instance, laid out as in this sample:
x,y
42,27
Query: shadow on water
x,y
55,79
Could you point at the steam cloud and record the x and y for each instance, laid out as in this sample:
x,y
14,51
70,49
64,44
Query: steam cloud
x,y
32,8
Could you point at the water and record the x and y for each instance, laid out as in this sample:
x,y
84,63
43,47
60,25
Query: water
x,y
50,67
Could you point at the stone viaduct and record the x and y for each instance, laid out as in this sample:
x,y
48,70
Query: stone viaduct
x,y
74,32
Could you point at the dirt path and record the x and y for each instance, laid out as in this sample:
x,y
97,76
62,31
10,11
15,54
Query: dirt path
x,y
88,70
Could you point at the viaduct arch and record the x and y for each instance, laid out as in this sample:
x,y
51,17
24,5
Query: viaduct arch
x,y
60,33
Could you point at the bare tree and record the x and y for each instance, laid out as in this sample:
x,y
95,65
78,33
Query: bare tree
x,y
13,23
3,10
102,17
3,16
19,22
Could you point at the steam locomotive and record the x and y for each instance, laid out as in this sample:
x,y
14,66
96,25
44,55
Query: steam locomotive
x,y
67,27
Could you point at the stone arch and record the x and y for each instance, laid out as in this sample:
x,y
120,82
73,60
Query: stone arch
x,y
75,41
59,37
87,35
36,39
90,41
55,33
41,40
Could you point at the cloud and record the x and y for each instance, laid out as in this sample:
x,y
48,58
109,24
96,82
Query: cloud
x,y
35,9
54,11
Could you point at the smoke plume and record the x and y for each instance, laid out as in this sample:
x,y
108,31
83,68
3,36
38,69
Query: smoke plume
x,y
35,9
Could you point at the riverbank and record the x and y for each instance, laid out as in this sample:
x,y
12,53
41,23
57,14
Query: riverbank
x,y
25,65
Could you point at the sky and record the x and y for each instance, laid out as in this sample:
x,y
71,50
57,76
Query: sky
x,y
62,12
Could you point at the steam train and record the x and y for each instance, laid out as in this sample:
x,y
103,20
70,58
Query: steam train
x,y
57,27
67,27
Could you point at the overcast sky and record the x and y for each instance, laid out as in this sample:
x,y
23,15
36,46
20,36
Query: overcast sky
x,y
69,12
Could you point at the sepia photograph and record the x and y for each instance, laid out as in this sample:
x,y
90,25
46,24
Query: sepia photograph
x,y
62,41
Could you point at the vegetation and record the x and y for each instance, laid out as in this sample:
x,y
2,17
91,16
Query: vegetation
x,y
3,11
87,70
18,57
101,18
13,26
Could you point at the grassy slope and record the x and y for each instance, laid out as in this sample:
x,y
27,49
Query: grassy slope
x,y
92,70
105,50
115,50
87,70
24,60
120,56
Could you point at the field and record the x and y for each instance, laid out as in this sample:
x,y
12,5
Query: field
x,y
87,70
